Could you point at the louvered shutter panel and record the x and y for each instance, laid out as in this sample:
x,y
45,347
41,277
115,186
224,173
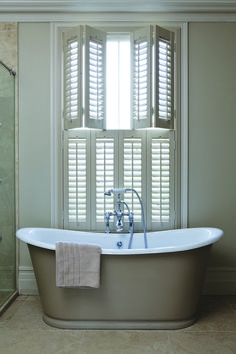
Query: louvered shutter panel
x,y
132,170
141,68
95,72
164,78
133,173
105,175
72,44
160,180
77,179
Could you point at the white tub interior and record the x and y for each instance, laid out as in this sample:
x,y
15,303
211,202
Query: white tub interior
x,y
158,241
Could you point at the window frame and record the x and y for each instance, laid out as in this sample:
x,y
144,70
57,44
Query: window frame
x,y
57,132
117,37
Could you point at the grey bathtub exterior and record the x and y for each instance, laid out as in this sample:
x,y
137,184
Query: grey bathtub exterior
x,y
138,291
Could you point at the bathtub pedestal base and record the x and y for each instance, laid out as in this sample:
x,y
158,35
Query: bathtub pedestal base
x,y
118,324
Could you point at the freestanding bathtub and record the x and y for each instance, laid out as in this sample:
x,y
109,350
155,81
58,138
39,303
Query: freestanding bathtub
x,y
154,288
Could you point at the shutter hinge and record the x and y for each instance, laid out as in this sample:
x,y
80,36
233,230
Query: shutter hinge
x,y
175,47
175,114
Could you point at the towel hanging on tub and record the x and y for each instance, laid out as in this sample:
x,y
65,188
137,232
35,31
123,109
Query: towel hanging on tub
x,y
77,265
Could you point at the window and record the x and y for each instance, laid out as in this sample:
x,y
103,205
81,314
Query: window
x,y
125,145
118,78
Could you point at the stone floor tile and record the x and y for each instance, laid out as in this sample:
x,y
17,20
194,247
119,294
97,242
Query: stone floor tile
x,y
23,331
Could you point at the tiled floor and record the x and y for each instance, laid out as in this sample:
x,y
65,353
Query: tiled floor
x,y
22,330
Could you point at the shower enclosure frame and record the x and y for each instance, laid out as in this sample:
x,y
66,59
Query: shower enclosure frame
x,y
13,293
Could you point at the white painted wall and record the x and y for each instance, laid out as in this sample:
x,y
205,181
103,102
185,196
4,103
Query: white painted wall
x,y
34,129
212,130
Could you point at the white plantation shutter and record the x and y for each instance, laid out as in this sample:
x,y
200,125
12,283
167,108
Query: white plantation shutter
x,y
72,43
132,162
96,162
141,64
95,70
105,170
104,176
77,179
160,182
133,173
152,78
164,78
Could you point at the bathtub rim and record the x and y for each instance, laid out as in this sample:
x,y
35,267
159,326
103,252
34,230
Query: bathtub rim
x,y
215,234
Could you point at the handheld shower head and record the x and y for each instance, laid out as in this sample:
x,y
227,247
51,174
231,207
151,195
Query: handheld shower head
x,y
118,191
115,191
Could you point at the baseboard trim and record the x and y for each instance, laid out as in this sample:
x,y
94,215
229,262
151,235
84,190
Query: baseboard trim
x,y
218,281
26,281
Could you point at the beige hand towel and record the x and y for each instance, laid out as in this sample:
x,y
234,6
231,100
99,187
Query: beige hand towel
x,y
77,265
